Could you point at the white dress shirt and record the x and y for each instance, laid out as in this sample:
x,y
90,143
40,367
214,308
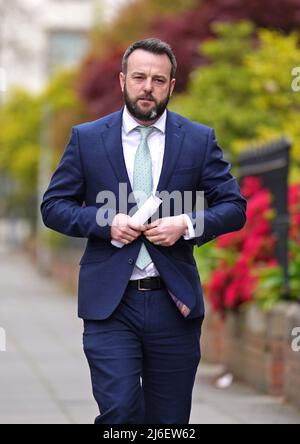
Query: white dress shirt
x,y
156,142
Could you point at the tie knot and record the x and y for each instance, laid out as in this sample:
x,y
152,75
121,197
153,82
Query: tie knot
x,y
145,131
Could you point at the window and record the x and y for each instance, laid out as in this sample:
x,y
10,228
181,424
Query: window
x,y
66,48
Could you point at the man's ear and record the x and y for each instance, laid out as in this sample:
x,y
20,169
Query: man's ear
x,y
173,82
122,79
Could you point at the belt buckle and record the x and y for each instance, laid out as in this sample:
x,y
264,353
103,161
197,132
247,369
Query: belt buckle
x,y
139,286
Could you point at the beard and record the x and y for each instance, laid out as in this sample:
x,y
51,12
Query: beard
x,y
146,116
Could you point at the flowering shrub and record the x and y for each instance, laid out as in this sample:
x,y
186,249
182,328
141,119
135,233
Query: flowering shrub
x,y
270,286
232,283
184,26
246,268
294,250
294,208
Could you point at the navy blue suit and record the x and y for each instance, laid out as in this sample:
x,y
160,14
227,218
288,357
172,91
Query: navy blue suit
x,y
93,161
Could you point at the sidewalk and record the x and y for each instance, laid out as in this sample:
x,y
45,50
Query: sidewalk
x,y
44,378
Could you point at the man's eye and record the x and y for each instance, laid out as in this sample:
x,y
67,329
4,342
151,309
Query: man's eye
x,y
159,81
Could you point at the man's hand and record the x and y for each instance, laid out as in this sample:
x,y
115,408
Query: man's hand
x,y
166,231
124,230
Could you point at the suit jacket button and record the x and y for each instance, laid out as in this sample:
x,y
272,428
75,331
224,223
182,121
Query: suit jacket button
x,y
131,261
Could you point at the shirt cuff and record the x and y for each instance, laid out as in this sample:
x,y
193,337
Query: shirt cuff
x,y
190,232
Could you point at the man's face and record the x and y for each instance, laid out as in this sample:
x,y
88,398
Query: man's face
x,y
147,86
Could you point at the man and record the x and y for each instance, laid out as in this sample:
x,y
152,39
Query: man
x,y
142,304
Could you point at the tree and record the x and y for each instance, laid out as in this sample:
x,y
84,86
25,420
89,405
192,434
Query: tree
x,y
135,19
245,92
21,121
184,30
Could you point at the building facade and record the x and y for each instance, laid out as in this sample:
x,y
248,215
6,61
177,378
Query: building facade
x,y
37,37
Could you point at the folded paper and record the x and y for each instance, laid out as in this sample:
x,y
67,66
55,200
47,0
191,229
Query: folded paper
x,y
143,214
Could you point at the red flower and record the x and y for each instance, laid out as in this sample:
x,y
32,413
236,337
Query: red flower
x,y
294,197
251,185
233,285
216,287
253,247
230,240
294,209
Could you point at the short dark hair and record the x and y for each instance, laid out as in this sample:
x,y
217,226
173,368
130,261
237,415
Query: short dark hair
x,y
155,46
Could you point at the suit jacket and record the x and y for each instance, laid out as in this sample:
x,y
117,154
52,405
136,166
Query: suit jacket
x,y
93,161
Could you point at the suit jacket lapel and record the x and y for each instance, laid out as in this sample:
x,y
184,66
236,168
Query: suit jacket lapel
x,y
174,140
112,139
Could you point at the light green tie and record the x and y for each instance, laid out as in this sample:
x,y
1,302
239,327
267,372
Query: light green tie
x,y
142,181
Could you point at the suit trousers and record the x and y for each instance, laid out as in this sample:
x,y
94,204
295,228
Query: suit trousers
x,y
143,360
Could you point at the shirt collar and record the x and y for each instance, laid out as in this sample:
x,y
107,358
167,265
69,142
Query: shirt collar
x,y
129,123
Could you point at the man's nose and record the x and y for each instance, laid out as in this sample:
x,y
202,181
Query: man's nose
x,y
148,85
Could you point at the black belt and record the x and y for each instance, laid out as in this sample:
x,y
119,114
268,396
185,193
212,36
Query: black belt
x,y
151,283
